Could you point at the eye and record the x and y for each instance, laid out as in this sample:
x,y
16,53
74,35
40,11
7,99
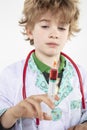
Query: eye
x,y
45,26
62,28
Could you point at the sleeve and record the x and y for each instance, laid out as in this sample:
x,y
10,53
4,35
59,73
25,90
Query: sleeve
x,y
10,85
84,80
6,94
10,89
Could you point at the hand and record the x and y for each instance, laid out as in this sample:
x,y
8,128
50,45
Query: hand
x,y
31,108
79,127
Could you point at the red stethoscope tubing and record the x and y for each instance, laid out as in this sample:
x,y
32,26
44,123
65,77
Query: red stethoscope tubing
x,y
24,74
73,63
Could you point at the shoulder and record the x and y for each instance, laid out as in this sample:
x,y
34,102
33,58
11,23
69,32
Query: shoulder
x,y
12,74
83,72
77,67
11,80
14,67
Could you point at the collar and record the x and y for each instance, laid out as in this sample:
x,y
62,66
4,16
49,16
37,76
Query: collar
x,y
45,68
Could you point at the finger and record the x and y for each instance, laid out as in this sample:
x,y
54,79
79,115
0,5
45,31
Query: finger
x,y
26,109
46,117
44,98
56,97
36,107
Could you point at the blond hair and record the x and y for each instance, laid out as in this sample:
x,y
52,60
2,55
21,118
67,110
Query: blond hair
x,y
67,11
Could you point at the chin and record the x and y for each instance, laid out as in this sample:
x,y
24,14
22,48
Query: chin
x,y
53,52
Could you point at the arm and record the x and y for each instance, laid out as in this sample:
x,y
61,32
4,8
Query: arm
x,y
8,119
82,126
28,108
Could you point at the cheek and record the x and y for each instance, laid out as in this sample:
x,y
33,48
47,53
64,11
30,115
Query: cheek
x,y
65,37
37,39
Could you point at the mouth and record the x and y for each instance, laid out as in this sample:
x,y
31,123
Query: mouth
x,y
52,45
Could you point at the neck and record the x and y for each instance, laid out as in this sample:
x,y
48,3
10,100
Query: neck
x,y
48,60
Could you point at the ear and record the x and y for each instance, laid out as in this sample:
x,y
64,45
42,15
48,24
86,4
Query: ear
x,y
29,33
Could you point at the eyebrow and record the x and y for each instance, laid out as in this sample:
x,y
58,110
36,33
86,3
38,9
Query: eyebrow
x,y
44,20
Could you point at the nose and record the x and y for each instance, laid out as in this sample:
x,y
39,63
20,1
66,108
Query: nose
x,y
53,34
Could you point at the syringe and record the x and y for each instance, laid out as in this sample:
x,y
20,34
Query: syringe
x,y
52,83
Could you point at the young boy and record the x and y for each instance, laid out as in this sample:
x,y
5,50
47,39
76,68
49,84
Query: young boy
x,y
48,25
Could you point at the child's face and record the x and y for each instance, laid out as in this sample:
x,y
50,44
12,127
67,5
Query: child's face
x,y
49,35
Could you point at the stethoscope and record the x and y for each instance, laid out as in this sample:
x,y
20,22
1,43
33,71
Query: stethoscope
x,y
75,66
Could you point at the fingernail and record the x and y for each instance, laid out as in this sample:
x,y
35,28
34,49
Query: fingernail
x,y
53,106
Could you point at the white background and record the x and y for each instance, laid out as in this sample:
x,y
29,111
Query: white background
x,y
13,47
